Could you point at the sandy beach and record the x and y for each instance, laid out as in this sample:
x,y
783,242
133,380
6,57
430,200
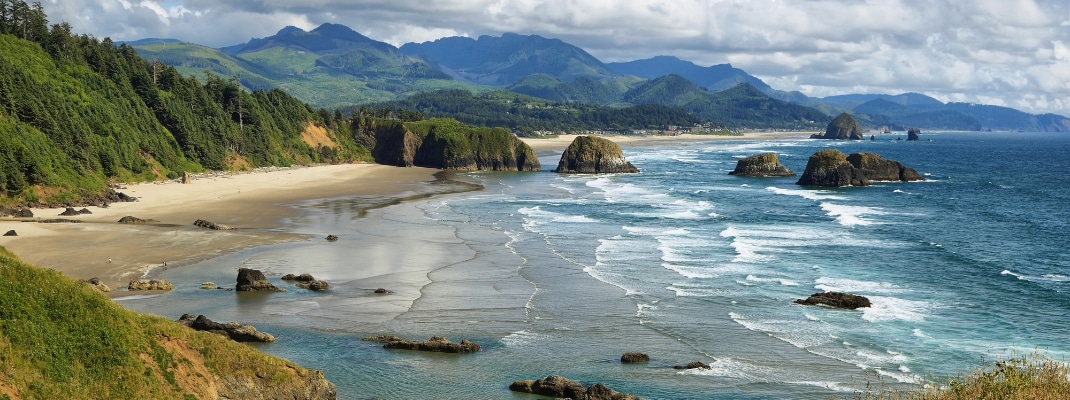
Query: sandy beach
x,y
255,203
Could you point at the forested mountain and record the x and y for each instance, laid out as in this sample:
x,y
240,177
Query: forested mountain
x,y
913,109
76,112
506,59
527,115
715,78
581,90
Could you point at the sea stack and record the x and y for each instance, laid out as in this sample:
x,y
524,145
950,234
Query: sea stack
x,y
593,155
829,167
765,164
843,127
912,134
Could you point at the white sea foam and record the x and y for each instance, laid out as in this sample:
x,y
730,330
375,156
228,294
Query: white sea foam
x,y
856,286
851,215
519,338
809,194
689,272
893,308
798,333
781,281
1016,275
918,333
833,386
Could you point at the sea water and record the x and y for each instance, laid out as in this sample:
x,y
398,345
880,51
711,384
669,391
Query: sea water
x,y
561,274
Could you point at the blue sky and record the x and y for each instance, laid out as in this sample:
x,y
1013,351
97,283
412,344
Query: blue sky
x,y
1005,52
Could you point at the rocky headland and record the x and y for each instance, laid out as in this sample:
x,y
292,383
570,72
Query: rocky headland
x,y
765,164
830,167
447,144
594,155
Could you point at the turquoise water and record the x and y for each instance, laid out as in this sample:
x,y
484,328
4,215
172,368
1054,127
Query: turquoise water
x,y
558,274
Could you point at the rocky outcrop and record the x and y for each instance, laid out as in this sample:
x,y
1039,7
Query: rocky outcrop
x,y
633,357
332,238
765,164
235,331
132,220
693,365
59,221
843,127
11,233
913,134
835,299
317,286
96,284
70,211
381,291
560,387
436,344
299,278
150,284
22,213
829,167
446,144
211,225
594,155
251,280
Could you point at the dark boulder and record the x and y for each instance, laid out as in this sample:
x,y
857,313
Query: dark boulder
x,y
912,134
843,127
318,286
632,357
835,299
436,344
70,211
830,167
11,233
765,164
693,365
381,291
135,220
235,331
332,238
560,387
22,213
593,155
211,225
251,280
298,278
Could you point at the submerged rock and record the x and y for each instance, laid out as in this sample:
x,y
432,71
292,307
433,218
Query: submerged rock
x,y
235,331
835,299
211,225
830,167
435,344
251,280
318,286
593,155
135,220
298,278
843,127
563,388
633,357
765,164
693,365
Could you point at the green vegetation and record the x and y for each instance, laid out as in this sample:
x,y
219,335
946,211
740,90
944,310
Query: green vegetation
x,y
530,116
1031,377
60,338
77,112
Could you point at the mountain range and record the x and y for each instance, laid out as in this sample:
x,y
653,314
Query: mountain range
x,y
333,66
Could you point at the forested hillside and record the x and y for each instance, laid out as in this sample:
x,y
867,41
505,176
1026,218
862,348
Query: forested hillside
x,y
77,112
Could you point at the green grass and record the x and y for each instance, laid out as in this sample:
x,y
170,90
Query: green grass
x,y
1032,377
60,338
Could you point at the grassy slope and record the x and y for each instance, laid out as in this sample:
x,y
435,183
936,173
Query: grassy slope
x,y
63,339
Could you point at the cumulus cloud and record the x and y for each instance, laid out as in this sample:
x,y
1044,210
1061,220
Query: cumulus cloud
x,y
1006,52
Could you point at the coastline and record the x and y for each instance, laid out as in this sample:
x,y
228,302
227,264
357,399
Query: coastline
x,y
255,203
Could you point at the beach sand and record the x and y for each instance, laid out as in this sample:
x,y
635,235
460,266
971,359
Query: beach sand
x,y
255,203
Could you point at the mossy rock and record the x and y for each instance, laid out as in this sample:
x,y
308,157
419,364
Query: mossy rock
x,y
594,155
830,167
765,164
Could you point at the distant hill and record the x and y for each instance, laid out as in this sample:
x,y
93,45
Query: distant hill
x,y
505,60
581,90
716,78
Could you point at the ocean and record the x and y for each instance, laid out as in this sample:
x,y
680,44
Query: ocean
x,y
561,274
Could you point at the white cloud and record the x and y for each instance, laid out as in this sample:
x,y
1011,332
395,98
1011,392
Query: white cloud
x,y
1011,51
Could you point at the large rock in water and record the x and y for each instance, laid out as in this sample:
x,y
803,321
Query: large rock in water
x,y
563,388
765,164
593,155
912,134
830,167
436,344
843,127
835,299
252,280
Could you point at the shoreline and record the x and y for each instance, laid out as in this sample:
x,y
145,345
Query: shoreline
x,y
256,204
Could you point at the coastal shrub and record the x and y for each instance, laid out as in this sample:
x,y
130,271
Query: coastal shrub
x,y
1032,377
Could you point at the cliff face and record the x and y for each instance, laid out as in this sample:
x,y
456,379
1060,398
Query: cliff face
x,y
765,164
829,167
843,127
592,154
447,144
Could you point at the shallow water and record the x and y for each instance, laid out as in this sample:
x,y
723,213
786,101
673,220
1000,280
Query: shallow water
x,y
558,274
